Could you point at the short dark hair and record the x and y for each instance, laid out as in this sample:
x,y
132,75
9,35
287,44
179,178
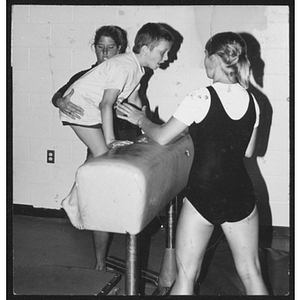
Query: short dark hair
x,y
150,35
118,34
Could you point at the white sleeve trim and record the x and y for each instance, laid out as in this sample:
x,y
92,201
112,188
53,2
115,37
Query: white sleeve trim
x,y
194,107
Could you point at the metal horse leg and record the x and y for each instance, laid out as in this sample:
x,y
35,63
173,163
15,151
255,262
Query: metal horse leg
x,y
168,266
131,265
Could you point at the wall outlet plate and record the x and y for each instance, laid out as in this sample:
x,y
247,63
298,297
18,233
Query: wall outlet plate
x,y
50,156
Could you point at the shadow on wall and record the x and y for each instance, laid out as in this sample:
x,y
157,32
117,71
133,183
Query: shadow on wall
x,y
172,56
263,133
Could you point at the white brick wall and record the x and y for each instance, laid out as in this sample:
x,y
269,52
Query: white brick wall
x,y
51,43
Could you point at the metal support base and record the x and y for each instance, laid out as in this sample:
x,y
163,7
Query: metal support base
x,y
108,289
167,273
118,264
165,278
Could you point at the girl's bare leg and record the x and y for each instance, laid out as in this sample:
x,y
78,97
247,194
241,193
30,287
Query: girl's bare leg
x,y
192,236
242,237
94,140
100,244
70,205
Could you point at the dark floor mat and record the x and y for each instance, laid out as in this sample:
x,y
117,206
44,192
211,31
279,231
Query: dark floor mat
x,y
58,280
51,257
276,269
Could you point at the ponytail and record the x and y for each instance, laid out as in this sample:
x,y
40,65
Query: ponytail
x,y
243,71
232,50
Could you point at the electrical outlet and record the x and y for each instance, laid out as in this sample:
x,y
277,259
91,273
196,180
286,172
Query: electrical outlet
x,y
50,156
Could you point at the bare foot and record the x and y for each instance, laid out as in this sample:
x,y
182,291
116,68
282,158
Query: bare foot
x,y
100,267
103,268
70,205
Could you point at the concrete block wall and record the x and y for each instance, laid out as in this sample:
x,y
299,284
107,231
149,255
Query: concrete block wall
x,y
51,43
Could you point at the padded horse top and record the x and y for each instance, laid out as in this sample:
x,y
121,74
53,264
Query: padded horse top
x,y
124,189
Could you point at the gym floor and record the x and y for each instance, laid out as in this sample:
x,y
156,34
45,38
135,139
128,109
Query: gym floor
x,y
51,257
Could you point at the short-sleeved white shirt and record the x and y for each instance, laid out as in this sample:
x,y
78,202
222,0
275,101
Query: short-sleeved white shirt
x,y
122,72
196,104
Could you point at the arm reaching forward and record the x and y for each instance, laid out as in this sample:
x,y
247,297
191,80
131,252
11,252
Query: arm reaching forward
x,y
162,134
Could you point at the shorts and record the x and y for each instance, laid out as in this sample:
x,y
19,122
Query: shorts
x,y
96,126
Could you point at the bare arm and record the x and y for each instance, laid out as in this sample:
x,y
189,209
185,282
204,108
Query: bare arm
x,y
162,134
251,146
66,106
106,106
55,98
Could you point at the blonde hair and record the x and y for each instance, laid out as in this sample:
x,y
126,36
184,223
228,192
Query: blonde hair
x,y
232,50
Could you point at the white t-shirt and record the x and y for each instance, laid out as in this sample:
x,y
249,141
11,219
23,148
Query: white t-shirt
x,y
196,104
122,72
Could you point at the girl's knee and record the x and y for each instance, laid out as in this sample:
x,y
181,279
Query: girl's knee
x,y
249,269
188,274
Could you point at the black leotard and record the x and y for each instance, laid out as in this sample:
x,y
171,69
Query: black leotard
x,y
219,186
